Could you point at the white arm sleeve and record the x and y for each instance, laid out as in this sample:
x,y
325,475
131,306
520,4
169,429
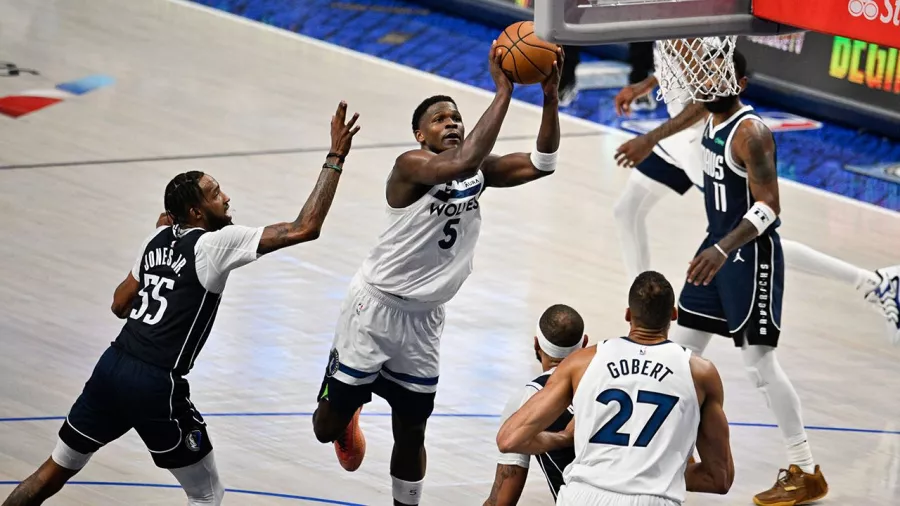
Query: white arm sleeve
x,y
136,269
515,402
222,251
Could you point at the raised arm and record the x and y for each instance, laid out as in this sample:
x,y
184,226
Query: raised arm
x,y
632,92
309,222
520,168
714,474
638,149
421,167
753,148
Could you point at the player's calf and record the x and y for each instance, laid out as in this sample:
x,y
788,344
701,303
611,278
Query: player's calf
x,y
200,482
49,478
408,461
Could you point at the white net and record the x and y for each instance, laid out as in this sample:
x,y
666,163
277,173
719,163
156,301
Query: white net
x,y
696,70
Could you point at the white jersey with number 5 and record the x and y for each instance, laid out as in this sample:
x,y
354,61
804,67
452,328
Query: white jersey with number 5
x,y
636,420
425,253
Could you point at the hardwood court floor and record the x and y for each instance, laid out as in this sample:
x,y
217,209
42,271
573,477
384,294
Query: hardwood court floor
x,y
190,83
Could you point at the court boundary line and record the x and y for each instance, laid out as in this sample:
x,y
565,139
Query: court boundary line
x,y
252,153
262,493
485,93
380,414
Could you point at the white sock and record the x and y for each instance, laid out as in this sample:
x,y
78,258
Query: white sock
x,y
407,492
800,454
768,376
200,482
694,340
639,196
805,259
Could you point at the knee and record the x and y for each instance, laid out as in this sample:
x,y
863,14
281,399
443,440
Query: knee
x,y
410,435
760,364
218,492
326,426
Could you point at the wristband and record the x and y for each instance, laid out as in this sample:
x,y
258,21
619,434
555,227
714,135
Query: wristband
x,y
720,250
332,166
761,216
544,162
339,157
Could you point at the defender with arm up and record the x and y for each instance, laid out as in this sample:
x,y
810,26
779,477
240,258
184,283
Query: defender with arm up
x,y
169,302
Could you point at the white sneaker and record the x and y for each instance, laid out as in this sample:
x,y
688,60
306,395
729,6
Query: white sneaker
x,y
885,295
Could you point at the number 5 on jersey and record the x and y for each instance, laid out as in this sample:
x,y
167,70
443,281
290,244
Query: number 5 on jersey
x,y
609,434
157,283
450,233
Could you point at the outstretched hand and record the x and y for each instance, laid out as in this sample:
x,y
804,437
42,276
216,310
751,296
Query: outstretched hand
x,y
633,152
551,83
341,133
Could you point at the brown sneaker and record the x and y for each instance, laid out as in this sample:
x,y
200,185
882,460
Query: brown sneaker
x,y
351,446
793,488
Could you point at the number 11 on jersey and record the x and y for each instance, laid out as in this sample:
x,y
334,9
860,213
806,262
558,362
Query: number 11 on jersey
x,y
720,198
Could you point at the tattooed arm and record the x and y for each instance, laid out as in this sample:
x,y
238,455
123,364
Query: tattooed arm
x,y
753,148
309,222
509,482
638,149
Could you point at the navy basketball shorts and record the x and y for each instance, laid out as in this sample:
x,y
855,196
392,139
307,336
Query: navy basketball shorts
x,y
663,172
124,393
743,301
386,345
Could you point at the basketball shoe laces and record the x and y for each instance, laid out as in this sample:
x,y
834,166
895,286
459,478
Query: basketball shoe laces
x,y
784,479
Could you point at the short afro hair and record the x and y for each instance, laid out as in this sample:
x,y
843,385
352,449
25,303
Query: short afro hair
x,y
428,102
562,325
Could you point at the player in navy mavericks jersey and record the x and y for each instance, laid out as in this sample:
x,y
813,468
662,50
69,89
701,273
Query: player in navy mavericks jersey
x,y
559,333
735,283
169,301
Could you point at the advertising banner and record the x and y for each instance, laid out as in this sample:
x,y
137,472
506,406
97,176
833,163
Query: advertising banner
x,y
851,69
874,20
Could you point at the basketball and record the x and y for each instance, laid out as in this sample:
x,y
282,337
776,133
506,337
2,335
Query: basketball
x,y
528,59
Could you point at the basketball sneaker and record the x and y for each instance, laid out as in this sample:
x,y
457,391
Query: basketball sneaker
x,y
884,297
351,446
793,488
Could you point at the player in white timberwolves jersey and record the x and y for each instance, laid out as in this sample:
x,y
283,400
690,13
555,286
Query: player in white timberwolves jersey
x,y
169,302
641,403
388,333
668,158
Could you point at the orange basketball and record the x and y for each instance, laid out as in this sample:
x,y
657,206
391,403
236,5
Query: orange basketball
x,y
528,59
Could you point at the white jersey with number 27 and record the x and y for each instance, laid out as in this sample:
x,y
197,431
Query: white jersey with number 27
x,y
425,253
636,420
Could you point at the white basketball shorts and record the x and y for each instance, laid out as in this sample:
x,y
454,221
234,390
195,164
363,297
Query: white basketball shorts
x,y
579,494
383,336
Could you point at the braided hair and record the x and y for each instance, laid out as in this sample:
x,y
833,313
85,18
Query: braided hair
x,y
182,194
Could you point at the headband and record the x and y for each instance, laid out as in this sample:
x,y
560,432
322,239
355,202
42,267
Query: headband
x,y
551,349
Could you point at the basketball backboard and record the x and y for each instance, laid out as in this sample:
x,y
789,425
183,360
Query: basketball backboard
x,y
594,22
